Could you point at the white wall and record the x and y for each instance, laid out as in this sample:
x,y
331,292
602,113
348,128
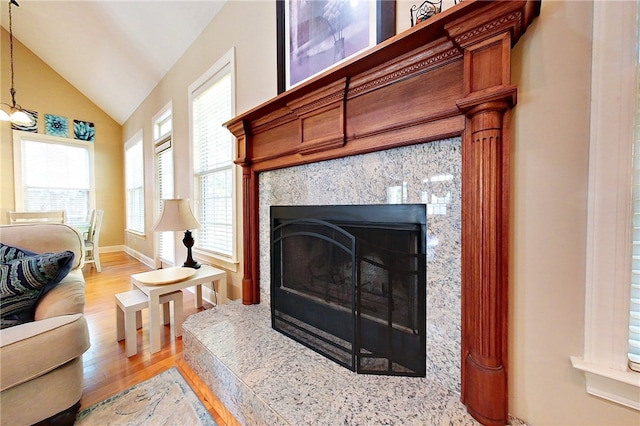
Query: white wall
x,y
249,26
550,148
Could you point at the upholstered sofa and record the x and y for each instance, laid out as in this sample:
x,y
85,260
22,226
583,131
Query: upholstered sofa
x,y
41,361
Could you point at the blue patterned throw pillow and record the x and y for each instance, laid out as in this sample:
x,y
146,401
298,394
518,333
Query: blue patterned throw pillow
x,y
25,279
8,253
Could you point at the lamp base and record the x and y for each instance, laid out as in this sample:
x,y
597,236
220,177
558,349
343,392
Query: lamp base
x,y
188,243
191,264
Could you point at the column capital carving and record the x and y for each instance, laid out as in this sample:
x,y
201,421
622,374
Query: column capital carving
x,y
511,17
242,131
497,99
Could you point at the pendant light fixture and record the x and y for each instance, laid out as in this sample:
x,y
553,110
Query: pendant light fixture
x,y
14,112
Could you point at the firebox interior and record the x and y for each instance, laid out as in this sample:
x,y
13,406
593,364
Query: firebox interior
x,y
350,283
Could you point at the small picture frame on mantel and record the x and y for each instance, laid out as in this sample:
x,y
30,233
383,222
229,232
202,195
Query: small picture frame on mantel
x,y
316,35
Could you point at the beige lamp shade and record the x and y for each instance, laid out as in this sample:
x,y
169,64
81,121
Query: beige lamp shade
x,y
176,216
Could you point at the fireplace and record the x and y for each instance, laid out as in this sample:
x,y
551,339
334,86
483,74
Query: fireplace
x,y
449,76
349,282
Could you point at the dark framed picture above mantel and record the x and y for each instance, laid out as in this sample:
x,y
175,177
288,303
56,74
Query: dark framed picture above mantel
x,y
314,35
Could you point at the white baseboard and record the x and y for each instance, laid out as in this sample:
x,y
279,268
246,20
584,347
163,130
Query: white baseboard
x,y
141,257
111,249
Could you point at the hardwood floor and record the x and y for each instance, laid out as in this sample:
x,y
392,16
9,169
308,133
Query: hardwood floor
x,y
107,370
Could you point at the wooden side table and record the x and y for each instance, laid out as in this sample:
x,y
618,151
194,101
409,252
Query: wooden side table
x,y
162,281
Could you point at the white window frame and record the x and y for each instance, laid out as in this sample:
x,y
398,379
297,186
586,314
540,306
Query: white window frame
x,y
226,61
160,142
19,136
138,137
608,274
163,116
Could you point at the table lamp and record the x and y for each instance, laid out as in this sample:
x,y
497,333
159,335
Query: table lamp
x,y
177,216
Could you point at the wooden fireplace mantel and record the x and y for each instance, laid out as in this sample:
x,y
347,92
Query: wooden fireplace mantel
x,y
448,76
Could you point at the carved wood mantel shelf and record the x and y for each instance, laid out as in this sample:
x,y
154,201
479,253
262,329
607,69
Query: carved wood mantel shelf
x,y
448,76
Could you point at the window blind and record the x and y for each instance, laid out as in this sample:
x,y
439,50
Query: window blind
x,y
213,164
164,168
634,306
134,180
56,176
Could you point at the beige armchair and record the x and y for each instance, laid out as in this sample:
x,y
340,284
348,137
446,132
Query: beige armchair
x,y
41,376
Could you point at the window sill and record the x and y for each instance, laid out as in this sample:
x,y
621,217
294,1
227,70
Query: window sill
x,y
136,233
230,264
622,387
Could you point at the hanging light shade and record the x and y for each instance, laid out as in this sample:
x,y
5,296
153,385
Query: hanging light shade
x,y
14,112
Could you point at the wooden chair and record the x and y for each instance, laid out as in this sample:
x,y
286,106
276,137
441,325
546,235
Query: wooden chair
x,y
91,251
91,220
53,216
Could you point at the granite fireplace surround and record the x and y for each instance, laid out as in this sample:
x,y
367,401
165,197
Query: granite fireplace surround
x,y
422,117
427,173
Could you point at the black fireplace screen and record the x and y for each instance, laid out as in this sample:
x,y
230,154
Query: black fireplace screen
x,y
350,283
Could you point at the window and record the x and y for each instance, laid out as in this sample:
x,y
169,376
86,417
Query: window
x,y
54,173
163,124
634,314
212,104
162,133
134,181
607,292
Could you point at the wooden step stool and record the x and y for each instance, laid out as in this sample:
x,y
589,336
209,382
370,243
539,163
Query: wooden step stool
x,y
129,305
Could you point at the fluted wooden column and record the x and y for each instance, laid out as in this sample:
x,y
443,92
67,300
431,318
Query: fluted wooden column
x,y
489,96
250,280
485,263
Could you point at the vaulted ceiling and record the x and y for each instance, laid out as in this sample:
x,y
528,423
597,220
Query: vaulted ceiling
x,y
115,51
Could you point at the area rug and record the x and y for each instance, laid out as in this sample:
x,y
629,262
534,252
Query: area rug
x,y
165,399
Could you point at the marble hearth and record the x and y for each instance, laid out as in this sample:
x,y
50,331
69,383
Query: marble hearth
x,y
294,385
